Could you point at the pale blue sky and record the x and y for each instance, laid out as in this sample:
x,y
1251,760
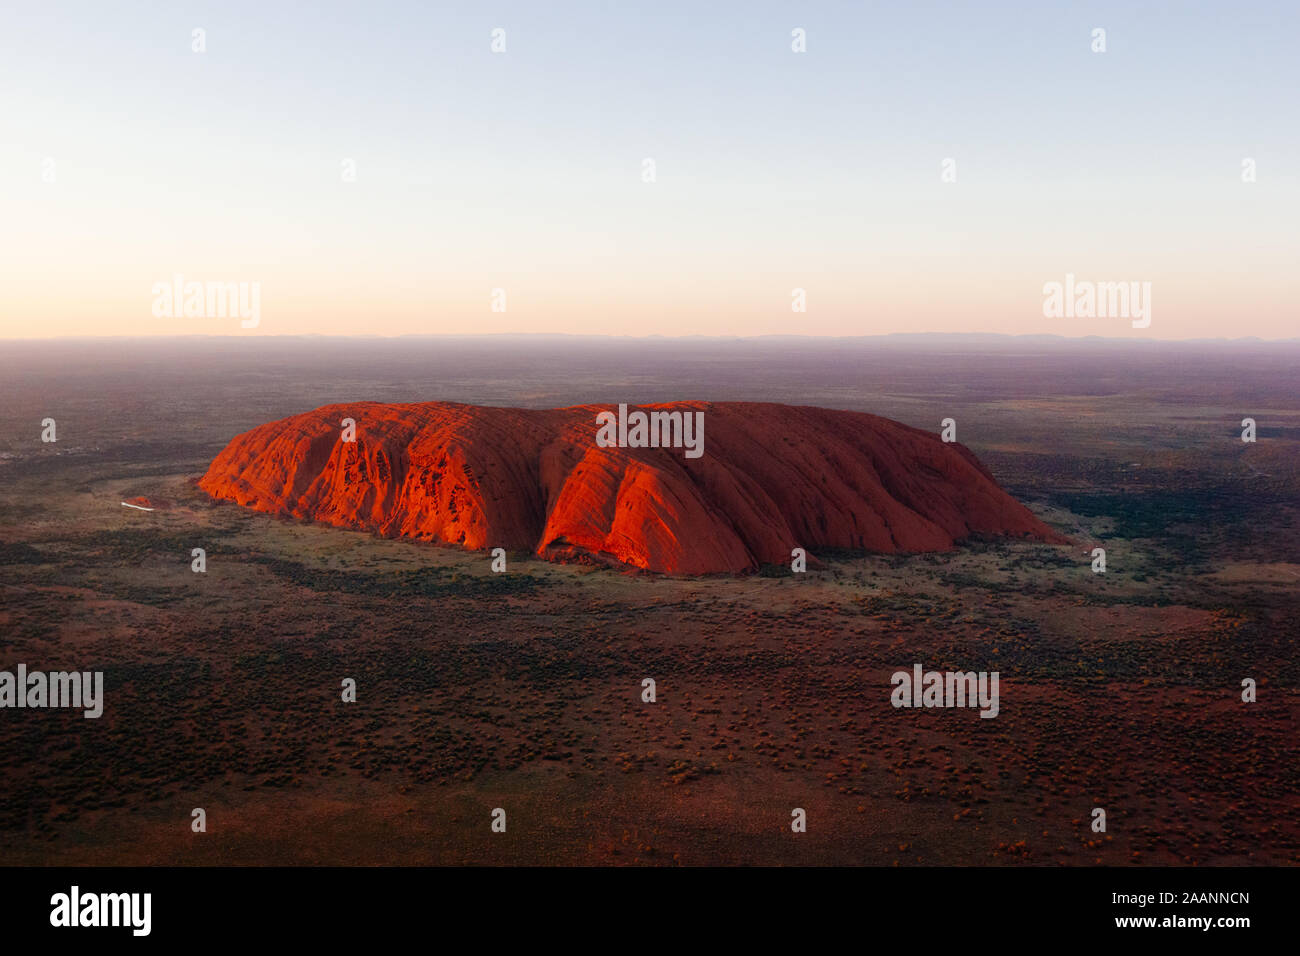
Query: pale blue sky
x,y
774,169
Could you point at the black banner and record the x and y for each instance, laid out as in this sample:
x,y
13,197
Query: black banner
x,y
1160,906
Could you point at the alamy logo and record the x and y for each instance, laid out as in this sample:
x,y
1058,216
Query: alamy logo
x,y
1098,300
656,429
946,689
103,909
77,689
208,300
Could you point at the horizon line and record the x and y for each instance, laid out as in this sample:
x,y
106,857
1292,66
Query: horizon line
x,y
695,337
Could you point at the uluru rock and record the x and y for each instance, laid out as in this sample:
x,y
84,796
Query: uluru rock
x,y
771,478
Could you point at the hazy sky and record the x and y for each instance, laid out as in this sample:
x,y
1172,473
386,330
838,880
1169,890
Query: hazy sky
x,y
523,170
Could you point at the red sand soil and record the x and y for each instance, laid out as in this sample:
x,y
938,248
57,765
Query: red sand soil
x,y
772,478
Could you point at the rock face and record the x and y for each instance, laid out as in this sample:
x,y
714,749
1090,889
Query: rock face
x,y
771,478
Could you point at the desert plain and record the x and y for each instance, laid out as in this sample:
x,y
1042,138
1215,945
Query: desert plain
x,y
523,690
